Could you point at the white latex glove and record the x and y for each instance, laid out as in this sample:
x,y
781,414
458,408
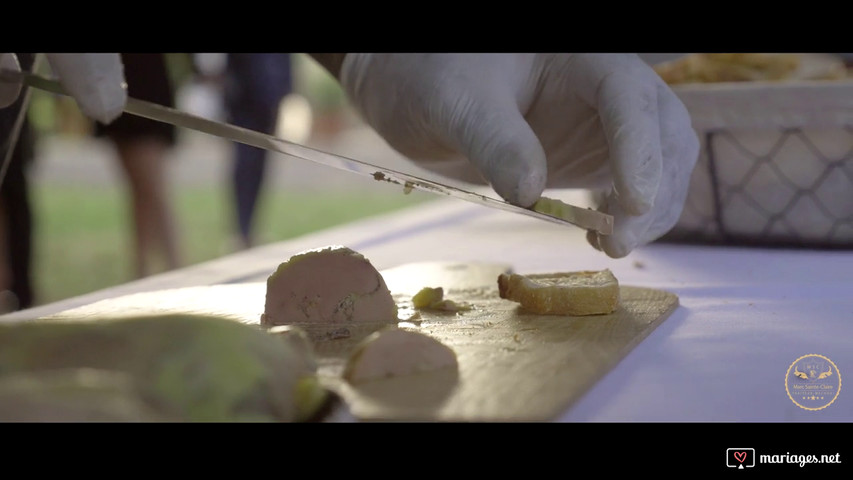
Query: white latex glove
x,y
95,80
526,122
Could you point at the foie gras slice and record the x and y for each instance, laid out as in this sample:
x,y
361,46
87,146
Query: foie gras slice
x,y
394,352
334,284
565,293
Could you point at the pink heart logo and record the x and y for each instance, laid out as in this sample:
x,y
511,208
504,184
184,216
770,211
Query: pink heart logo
x,y
740,456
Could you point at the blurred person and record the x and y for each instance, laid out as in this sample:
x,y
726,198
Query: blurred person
x,y
255,84
521,123
96,83
16,219
142,145
16,226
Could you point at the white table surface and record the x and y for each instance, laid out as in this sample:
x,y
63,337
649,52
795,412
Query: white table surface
x,y
745,314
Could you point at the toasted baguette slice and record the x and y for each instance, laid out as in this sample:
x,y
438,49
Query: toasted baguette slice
x,y
565,293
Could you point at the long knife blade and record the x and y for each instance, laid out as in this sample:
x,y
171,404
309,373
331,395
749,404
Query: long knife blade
x,y
564,215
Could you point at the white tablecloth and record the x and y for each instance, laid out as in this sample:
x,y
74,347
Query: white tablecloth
x,y
745,314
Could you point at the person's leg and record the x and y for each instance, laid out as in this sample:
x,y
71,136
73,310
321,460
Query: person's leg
x,y
143,161
16,290
257,83
8,301
249,166
15,244
19,237
16,227
247,178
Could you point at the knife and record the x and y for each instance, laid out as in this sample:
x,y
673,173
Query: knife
x,y
552,210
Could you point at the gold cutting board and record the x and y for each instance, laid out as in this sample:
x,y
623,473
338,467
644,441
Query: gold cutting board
x,y
513,365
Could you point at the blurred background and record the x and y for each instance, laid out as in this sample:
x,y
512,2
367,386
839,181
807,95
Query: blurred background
x,y
85,195
82,234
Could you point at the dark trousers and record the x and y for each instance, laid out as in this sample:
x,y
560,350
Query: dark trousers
x,y
15,197
256,83
250,164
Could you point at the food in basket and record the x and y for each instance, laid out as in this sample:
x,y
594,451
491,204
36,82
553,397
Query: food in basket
x,y
334,284
750,67
563,293
394,352
774,149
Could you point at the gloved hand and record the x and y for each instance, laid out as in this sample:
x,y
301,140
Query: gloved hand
x,y
95,80
526,122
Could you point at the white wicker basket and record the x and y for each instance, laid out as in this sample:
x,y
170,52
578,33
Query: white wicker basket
x,y
775,167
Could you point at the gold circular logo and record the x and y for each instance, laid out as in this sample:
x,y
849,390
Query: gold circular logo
x,y
813,382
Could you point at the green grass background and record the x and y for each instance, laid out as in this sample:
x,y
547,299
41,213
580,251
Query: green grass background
x,y
82,234
82,239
